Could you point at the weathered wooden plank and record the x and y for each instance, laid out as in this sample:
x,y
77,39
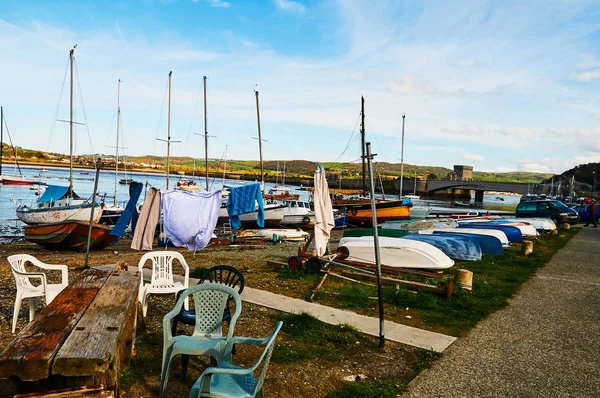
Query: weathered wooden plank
x,y
89,392
101,342
29,356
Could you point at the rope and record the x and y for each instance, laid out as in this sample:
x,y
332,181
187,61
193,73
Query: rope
x,y
162,108
13,147
349,140
62,87
87,127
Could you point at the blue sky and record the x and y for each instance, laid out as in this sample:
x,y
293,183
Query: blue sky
x,y
499,85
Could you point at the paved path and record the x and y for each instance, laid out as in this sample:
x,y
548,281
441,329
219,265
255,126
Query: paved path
x,y
393,331
546,343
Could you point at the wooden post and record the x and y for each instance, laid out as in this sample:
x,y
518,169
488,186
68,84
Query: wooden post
x,y
527,247
464,279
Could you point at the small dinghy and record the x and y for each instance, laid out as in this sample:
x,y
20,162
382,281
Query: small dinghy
x,y
492,233
526,229
513,234
395,252
275,234
490,245
457,247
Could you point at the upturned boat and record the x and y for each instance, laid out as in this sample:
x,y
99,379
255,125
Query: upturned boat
x,y
457,247
395,252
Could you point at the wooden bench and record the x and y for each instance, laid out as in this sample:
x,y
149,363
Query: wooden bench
x,y
79,343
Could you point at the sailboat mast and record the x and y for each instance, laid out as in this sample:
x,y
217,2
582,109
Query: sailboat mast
x,y
71,125
205,137
262,171
117,150
362,145
169,130
1,135
402,157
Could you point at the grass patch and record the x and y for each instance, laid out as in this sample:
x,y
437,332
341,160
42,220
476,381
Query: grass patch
x,y
367,389
310,338
495,280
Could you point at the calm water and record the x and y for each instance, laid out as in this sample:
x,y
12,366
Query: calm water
x,y
83,185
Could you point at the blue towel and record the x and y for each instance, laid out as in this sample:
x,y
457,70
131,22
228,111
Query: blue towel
x,y
135,189
243,200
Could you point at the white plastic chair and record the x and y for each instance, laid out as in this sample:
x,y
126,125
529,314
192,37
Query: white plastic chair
x,y
162,276
27,290
210,301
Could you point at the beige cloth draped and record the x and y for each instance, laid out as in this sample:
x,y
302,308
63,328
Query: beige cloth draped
x,y
143,236
324,220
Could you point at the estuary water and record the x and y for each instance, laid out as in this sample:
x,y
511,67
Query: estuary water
x,y
83,185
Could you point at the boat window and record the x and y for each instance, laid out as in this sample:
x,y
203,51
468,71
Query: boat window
x,y
292,204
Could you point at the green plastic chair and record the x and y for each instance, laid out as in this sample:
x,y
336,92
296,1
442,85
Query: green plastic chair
x,y
210,301
229,380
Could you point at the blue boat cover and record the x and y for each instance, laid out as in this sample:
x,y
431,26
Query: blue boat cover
x,y
490,245
512,233
53,193
454,246
135,189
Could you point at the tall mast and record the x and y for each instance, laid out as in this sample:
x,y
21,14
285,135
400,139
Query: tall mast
x,y
1,135
402,158
262,172
205,136
169,130
71,125
118,123
362,144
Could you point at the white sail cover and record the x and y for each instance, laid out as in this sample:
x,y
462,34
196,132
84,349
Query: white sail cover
x,y
324,221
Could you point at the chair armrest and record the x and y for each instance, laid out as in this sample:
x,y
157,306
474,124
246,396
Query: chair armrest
x,y
173,313
225,371
56,267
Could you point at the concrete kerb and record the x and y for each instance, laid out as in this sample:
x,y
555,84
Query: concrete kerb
x,y
393,331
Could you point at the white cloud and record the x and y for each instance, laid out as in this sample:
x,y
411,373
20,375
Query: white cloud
x,y
407,85
290,6
219,3
472,157
587,76
588,61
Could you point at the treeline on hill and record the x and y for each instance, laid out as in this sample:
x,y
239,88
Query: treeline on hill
x,y
584,173
306,169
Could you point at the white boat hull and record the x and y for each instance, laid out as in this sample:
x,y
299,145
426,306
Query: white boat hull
x,y
32,216
396,252
275,234
273,215
501,236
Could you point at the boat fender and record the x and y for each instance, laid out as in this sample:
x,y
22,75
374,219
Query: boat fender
x,y
232,238
275,238
305,220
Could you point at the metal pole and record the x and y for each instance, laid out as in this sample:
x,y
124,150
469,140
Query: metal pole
x,y
262,171
593,182
169,130
71,126
376,245
402,158
205,136
362,143
87,249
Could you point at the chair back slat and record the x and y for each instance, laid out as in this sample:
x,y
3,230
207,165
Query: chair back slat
x,y
17,263
209,306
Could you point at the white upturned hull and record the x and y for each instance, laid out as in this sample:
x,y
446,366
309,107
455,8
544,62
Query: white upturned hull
x,y
525,228
396,252
32,216
501,236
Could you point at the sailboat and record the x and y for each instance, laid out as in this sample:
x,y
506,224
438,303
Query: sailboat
x,y
59,203
359,210
281,192
11,180
274,211
111,213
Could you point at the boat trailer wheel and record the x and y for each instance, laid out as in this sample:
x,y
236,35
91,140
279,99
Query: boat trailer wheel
x,y
343,252
295,262
313,265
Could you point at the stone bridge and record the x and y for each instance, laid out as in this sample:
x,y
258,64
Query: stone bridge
x,y
482,186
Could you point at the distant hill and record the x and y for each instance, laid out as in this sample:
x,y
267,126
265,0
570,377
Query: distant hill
x,y
293,168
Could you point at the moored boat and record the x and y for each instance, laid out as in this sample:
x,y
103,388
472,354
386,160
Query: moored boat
x,y
273,215
298,213
360,214
275,234
496,234
513,234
